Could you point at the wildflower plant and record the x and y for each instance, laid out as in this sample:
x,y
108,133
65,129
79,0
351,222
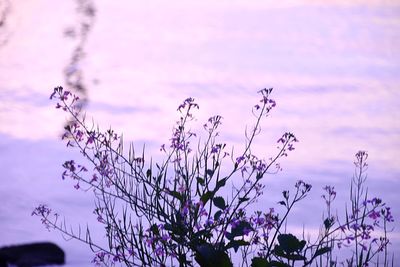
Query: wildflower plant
x,y
176,212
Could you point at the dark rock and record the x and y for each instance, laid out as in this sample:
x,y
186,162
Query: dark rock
x,y
29,255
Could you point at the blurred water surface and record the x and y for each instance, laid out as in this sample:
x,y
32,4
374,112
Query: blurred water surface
x,y
335,67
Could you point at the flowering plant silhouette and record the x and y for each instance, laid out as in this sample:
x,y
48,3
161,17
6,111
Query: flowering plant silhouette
x,y
176,213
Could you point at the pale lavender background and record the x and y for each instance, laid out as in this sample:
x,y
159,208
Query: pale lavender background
x,y
335,67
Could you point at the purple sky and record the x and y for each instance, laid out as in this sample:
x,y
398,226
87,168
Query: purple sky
x,y
335,67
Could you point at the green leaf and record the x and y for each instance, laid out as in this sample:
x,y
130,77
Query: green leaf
x,y
302,245
295,257
201,234
243,199
219,202
148,173
259,262
176,194
210,172
262,262
289,243
282,203
328,222
278,251
322,251
200,181
206,197
154,230
220,184
208,256
278,264
239,230
217,215
168,227
174,230
235,244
